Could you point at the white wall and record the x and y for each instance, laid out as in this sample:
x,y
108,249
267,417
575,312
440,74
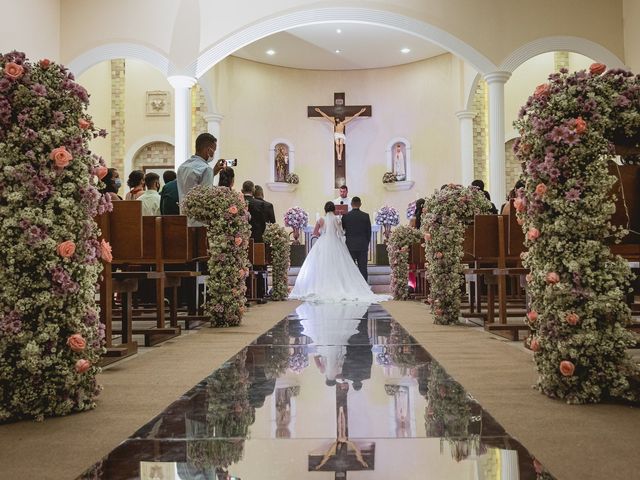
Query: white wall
x,y
31,26
631,22
416,101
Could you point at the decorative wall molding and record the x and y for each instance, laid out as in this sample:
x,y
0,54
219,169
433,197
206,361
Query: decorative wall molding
x,y
88,59
158,103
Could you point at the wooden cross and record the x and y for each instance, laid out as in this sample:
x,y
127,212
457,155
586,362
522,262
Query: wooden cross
x,y
339,114
343,455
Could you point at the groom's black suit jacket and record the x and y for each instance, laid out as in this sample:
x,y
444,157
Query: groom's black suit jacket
x,y
357,227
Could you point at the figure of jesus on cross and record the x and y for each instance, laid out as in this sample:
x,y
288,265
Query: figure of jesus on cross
x,y
338,129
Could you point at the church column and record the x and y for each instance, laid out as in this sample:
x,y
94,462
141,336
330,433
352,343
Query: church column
x,y
213,127
182,99
497,179
466,144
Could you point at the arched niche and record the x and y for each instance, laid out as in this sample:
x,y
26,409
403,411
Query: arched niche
x,y
398,157
282,155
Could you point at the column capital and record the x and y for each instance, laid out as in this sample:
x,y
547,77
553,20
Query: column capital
x,y
181,81
212,117
497,77
462,114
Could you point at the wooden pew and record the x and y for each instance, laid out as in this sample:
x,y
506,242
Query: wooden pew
x,y
417,261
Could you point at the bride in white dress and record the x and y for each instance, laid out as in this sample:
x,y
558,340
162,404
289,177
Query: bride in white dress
x,y
329,274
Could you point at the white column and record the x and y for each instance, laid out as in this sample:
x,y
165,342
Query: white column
x,y
182,116
497,178
213,127
466,145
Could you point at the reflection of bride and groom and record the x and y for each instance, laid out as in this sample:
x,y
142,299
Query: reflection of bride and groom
x,y
329,273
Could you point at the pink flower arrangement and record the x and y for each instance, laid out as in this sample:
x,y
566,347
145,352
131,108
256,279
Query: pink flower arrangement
x,y
105,251
567,368
532,315
66,249
233,210
13,70
61,157
541,189
541,90
237,241
535,345
84,124
82,365
101,172
597,68
581,125
552,278
533,233
76,342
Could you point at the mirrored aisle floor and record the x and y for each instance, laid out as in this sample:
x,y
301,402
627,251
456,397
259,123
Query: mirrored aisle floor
x,y
332,391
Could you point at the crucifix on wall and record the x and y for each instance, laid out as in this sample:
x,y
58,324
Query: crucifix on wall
x,y
339,115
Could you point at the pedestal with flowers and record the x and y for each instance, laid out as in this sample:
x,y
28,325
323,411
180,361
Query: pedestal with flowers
x,y
50,336
297,219
386,217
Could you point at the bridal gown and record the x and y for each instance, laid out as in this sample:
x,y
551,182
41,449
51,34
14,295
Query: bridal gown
x,y
329,274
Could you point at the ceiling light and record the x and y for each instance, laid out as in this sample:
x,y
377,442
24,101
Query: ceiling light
x,y
338,30
338,51
405,50
271,52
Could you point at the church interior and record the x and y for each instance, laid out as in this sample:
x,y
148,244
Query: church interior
x,y
432,95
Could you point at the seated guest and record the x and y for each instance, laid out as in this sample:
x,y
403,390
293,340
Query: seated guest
x,y
226,177
112,184
169,194
479,184
269,214
505,209
151,198
256,210
136,184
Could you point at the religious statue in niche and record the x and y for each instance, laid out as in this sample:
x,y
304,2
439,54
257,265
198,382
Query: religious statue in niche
x,y
398,161
281,162
338,129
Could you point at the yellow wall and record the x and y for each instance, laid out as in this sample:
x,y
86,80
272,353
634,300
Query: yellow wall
x,y
97,81
261,103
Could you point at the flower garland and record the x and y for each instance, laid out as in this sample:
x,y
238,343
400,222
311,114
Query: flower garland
x,y
226,216
578,311
444,218
297,219
276,236
399,244
387,217
50,336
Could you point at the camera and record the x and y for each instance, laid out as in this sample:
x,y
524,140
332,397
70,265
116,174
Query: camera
x,y
231,163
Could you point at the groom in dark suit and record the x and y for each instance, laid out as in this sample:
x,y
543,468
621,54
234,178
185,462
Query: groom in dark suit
x,y
357,229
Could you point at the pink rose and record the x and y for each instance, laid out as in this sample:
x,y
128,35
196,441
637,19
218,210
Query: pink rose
x,y
238,241
61,157
528,277
82,365
541,90
533,234
105,251
66,249
44,63
597,68
520,204
581,125
84,124
427,236
567,368
404,249
13,70
532,316
535,345
552,278
541,189
241,272
572,318
439,255
233,209
101,172
76,343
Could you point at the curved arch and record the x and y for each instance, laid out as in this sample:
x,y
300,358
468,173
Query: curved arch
x,y
219,51
561,44
88,59
470,94
136,146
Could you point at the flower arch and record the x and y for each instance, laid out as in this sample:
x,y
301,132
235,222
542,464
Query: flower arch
x,y
569,128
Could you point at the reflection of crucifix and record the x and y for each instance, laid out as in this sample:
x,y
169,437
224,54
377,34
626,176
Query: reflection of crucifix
x,y
339,114
343,455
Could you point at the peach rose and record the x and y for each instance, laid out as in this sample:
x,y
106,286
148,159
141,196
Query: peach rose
x,y
101,172
520,204
567,368
76,343
528,277
13,70
66,249
541,189
532,316
439,255
581,125
597,68
61,157
427,236
552,277
241,272
237,241
105,251
537,466
44,63
572,318
533,234
82,365
541,90
84,124
233,209
535,345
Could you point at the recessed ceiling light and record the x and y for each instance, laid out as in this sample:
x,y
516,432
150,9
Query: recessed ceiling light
x,y
338,51
405,50
338,30
271,52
